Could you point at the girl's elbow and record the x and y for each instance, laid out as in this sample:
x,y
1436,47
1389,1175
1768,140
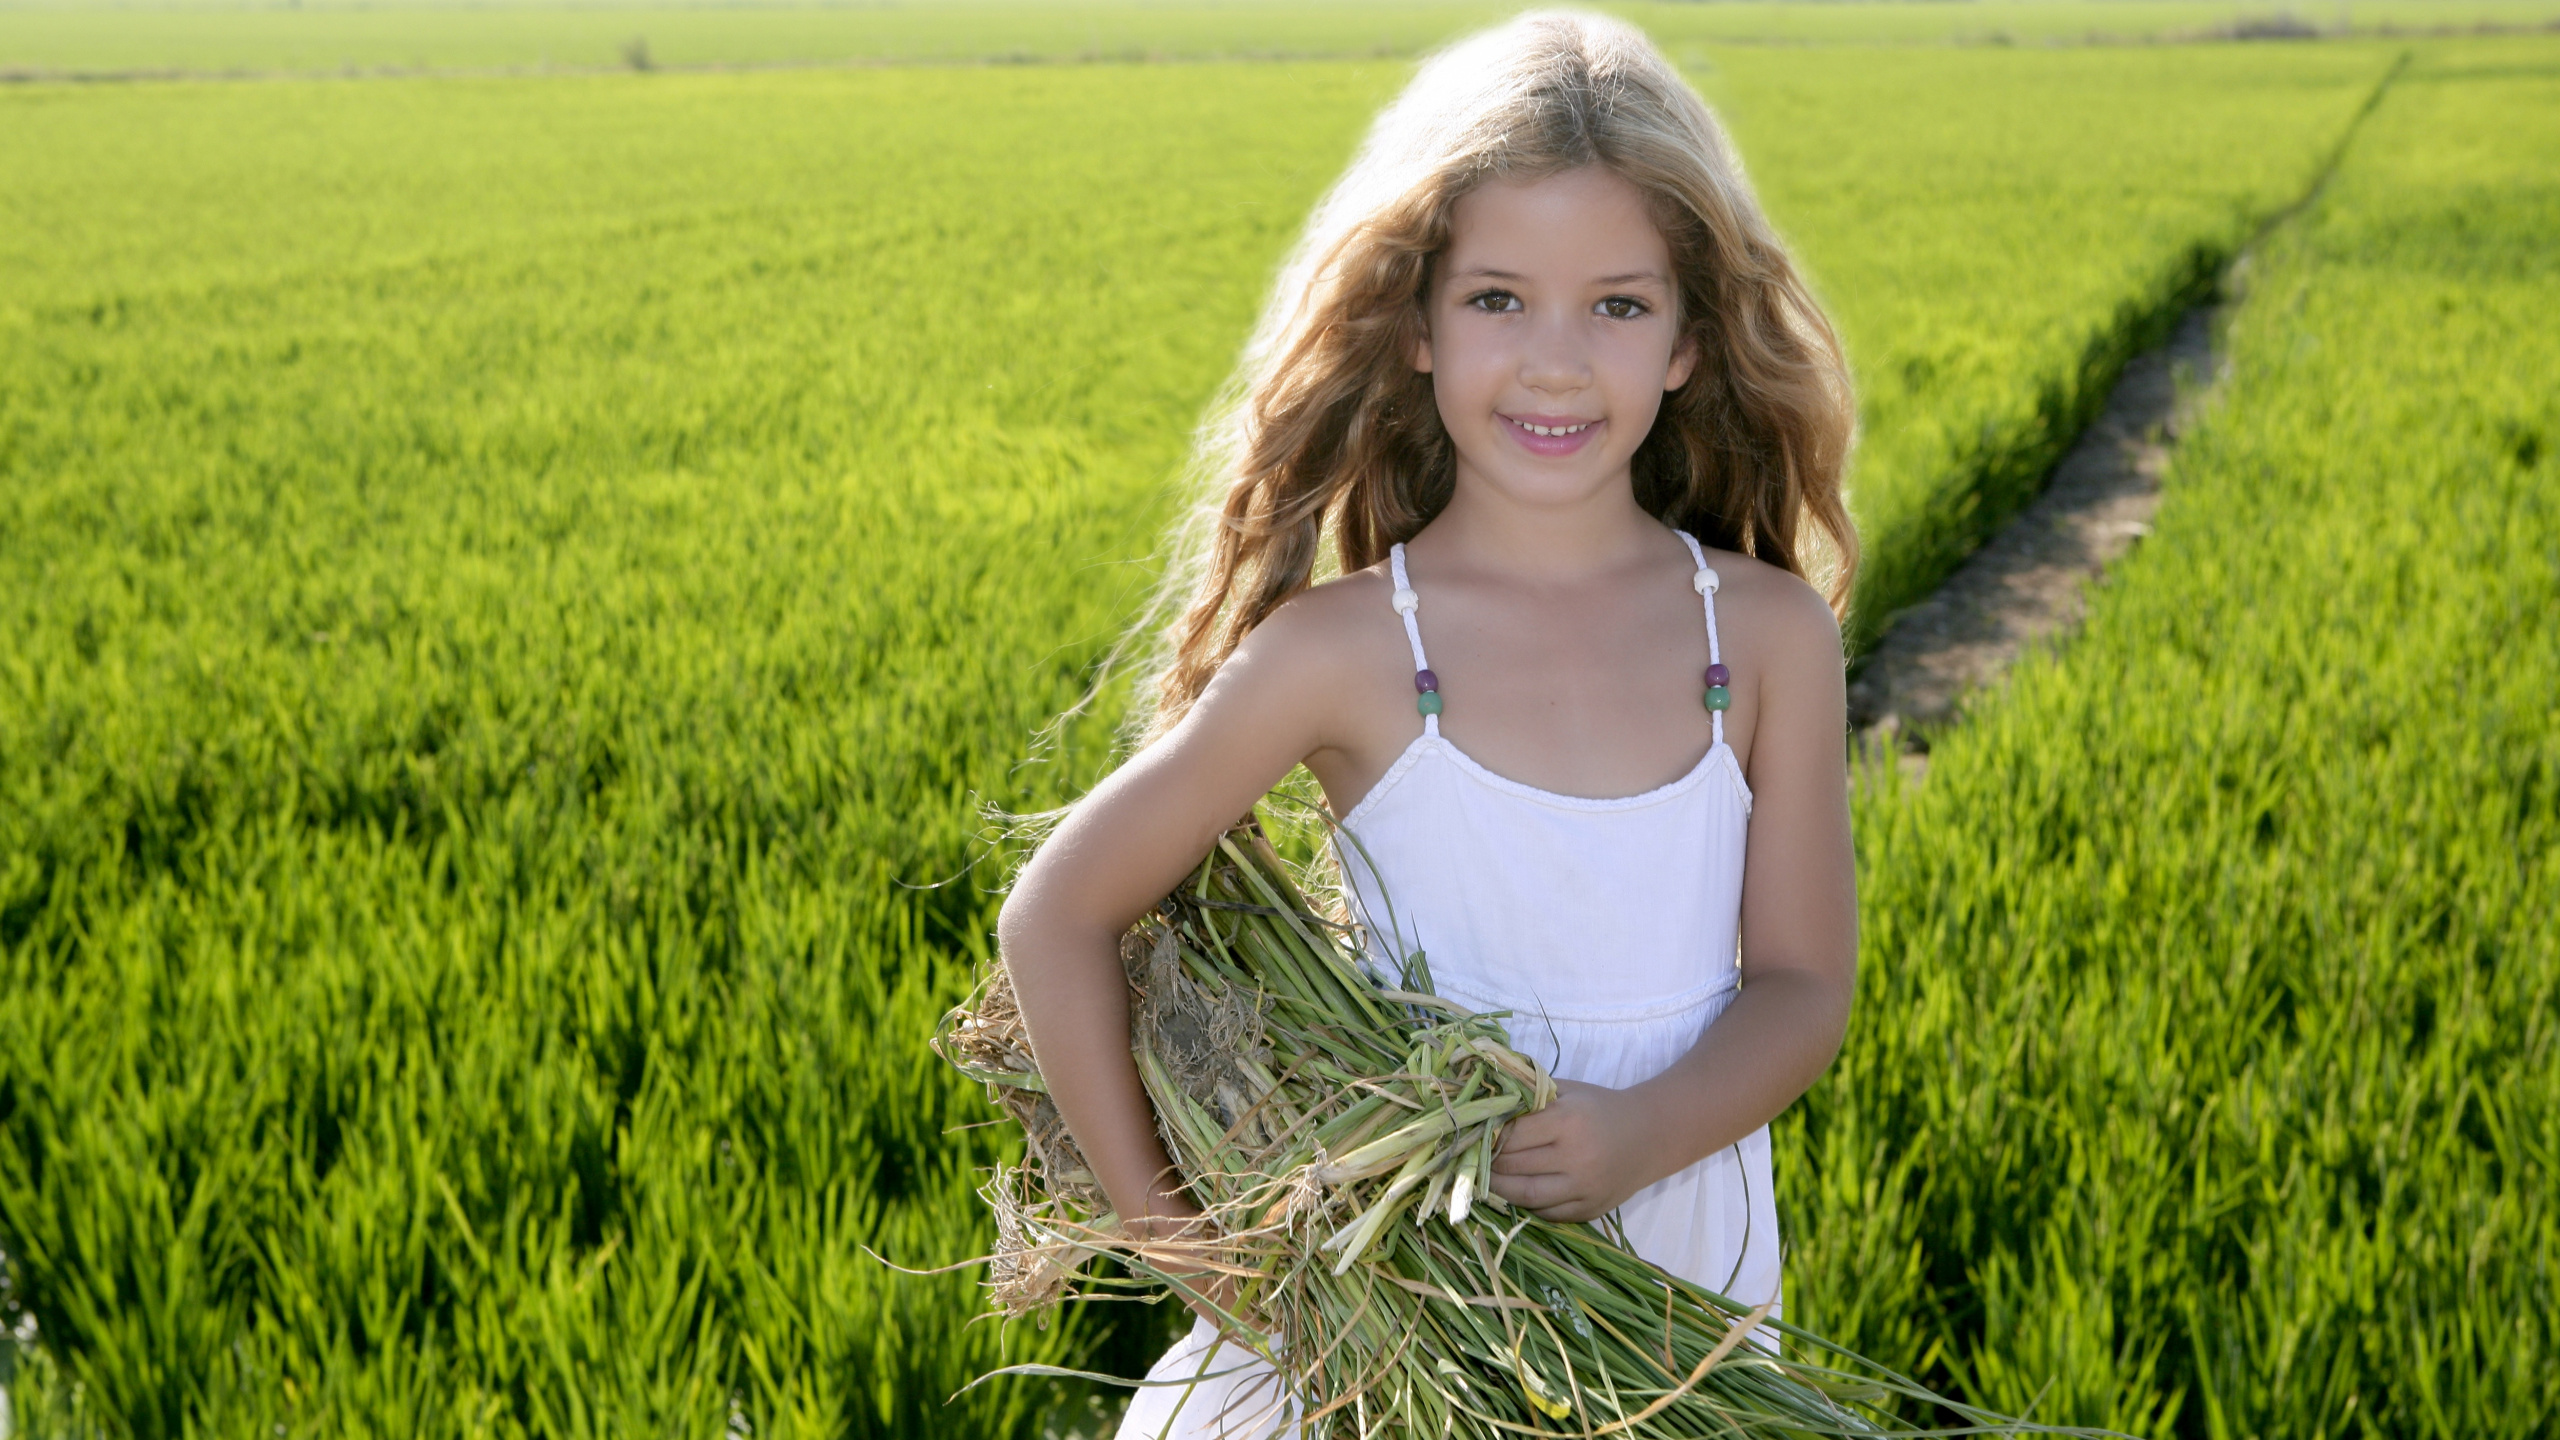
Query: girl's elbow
x,y
1841,992
1008,920
1018,920
1038,923
1825,1001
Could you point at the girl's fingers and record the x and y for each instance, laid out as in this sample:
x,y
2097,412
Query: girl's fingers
x,y
1214,1301
1529,1132
1542,1160
1534,1192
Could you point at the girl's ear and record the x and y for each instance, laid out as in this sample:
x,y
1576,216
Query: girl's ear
x,y
1684,362
1422,349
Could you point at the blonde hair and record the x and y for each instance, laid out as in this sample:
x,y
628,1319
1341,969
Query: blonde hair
x,y
1326,430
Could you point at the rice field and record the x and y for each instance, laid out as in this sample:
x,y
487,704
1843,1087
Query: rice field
x,y
518,587
247,37
2207,1079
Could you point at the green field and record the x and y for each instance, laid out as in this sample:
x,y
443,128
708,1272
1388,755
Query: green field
x,y
518,587
494,681
2208,1072
1920,189
320,36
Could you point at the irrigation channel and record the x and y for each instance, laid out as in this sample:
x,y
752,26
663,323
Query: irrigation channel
x,y
2028,583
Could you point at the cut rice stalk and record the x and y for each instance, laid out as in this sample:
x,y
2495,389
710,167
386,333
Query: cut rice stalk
x,y
1310,1095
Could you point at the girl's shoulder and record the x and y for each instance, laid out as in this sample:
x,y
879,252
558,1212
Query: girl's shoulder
x,y
1326,671
1328,634
1756,600
1782,630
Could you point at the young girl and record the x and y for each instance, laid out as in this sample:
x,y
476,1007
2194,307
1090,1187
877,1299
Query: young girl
x,y
1542,379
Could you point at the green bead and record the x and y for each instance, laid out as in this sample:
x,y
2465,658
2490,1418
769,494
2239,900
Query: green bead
x,y
1428,702
1718,697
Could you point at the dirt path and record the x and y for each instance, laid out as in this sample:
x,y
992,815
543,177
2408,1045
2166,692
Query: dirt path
x,y
2030,581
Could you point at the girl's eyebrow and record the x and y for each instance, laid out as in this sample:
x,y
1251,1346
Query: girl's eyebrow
x,y
1482,273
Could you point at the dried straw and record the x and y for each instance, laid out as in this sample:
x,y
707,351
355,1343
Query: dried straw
x,y
1339,1134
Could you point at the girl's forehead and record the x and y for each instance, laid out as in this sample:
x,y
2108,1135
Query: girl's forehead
x,y
1587,223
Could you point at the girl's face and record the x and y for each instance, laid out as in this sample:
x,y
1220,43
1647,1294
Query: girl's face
x,y
1552,334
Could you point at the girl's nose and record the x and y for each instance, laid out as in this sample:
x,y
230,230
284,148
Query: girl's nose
x,y
1555,359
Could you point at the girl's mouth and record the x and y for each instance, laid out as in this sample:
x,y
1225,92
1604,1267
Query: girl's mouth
x,y
1550,434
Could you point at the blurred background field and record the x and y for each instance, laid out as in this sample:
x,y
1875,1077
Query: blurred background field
x,y
257,36
516,586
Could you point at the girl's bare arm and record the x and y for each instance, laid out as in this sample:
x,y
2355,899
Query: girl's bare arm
x,y
1585,1154
1124,847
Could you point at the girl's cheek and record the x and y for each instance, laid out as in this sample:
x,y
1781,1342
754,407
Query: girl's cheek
x,y
1474,366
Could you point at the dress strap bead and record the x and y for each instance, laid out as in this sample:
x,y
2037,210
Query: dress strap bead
x,y
1425,684
1707,582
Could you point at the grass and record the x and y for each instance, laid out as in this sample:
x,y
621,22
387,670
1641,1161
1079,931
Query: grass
x,y
2204,1075
508,584
1999,231
475,705
342,36
1917,185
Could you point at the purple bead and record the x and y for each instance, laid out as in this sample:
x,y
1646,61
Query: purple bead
x,y
1718,675
1425,682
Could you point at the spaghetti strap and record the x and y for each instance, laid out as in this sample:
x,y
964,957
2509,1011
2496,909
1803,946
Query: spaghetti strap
x,y
1426,685
1610,924
1707,583
1613,924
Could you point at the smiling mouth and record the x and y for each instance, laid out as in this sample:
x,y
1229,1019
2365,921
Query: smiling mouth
x,y
1574,429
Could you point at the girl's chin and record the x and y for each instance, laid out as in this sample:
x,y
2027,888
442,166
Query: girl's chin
x,y
1544,485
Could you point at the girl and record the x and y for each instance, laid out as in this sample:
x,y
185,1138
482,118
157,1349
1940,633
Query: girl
x,y
1542,379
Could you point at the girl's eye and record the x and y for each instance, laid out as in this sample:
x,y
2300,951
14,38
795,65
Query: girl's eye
x,y
1623,307
1494,302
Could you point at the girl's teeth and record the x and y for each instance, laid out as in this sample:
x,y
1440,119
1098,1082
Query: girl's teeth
x,y
1553,429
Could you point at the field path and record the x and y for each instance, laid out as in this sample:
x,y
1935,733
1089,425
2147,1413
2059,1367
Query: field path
x,y
2030,580
2201,1078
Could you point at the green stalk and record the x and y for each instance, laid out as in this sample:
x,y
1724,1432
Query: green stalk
x,y
1386,1103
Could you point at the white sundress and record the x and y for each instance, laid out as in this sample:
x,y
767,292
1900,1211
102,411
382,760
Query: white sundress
x,y
1609,928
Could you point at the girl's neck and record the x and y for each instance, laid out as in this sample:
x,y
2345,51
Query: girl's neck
x,y
1541,544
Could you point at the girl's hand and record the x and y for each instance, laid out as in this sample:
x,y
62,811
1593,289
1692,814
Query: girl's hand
x,y
1582,1156
1209,1292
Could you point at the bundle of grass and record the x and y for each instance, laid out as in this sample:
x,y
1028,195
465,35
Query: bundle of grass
x,y
1339,1133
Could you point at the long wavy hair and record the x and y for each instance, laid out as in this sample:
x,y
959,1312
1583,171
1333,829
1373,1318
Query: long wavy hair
x,y
1326,437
